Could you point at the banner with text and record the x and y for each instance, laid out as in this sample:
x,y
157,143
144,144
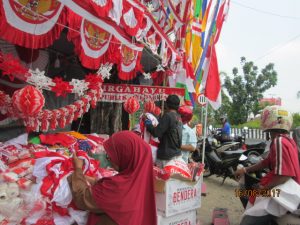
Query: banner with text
x,y
121,92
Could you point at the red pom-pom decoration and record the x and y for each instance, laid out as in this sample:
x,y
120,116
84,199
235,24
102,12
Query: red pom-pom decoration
x,y
149,107
131,105
28,101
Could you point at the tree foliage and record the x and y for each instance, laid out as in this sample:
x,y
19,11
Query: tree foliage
x,y
247,88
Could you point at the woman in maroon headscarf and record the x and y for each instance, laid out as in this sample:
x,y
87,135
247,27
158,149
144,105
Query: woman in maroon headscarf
x,y
125,199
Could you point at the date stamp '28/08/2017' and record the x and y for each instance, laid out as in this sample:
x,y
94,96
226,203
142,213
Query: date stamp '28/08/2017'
x,y
257,193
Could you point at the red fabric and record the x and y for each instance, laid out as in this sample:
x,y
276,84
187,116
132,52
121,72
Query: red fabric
x,y
128,198
129,63
283,157
60,138
138,16
282,160
158,78
213,84
96,39
102,11
28,40
220,20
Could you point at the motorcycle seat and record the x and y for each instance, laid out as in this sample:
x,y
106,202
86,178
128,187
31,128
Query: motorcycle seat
x,y
234,152
256,144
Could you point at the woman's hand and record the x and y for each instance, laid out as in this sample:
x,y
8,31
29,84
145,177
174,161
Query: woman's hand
x,y
78,163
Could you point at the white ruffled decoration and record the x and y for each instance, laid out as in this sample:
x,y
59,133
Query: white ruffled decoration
x,y
39,79
147,76
130,19
104,70
116,12
79,86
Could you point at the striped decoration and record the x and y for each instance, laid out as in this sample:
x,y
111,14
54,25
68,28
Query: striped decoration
x,y
29,101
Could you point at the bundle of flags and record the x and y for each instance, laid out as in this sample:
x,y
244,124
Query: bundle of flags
x,y
199,71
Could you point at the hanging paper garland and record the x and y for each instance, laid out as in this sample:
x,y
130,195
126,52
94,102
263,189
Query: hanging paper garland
x,y
12,67
28,102
50,119
32,24
131,105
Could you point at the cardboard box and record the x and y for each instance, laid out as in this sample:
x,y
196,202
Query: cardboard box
x,y
186,218
178,197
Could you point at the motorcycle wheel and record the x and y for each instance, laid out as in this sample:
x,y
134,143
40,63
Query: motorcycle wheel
x,y
207,171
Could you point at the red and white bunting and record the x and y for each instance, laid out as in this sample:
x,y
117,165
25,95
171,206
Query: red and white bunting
x,y
32,24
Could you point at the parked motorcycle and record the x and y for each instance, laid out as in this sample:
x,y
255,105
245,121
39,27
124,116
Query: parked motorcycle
x,y
221,163
239,142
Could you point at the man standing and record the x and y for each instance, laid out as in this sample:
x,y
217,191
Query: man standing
x,y
168,131
189,139
282,159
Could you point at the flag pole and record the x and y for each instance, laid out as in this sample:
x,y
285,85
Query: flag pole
x,y
204,131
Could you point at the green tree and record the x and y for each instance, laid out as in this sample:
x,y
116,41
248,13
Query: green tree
x,y
247,88
296,120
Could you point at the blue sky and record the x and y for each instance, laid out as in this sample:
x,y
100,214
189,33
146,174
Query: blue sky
x,y
263,38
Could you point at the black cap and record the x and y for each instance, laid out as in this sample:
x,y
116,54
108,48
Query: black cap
x,y
173,102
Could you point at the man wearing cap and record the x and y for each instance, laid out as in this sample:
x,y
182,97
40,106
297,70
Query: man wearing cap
x,y
189,138
168,131
282,162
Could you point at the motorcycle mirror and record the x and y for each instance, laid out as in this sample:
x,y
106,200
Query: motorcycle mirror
x,y
210,127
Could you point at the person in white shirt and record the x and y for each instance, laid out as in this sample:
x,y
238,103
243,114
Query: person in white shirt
x,y
189,138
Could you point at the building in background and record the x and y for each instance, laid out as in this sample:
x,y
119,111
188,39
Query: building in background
x,y
269,101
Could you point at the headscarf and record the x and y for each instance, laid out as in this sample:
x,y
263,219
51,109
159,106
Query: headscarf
x,y
128,198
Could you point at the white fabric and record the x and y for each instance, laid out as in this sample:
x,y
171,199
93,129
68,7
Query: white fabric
x,y
39,170
289,195
116,12
101,3
62,195
17,141
79,216
62,220
288,200
130,19
13,190
3,193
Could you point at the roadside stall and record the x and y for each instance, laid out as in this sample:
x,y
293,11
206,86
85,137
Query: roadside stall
x,y
59,60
